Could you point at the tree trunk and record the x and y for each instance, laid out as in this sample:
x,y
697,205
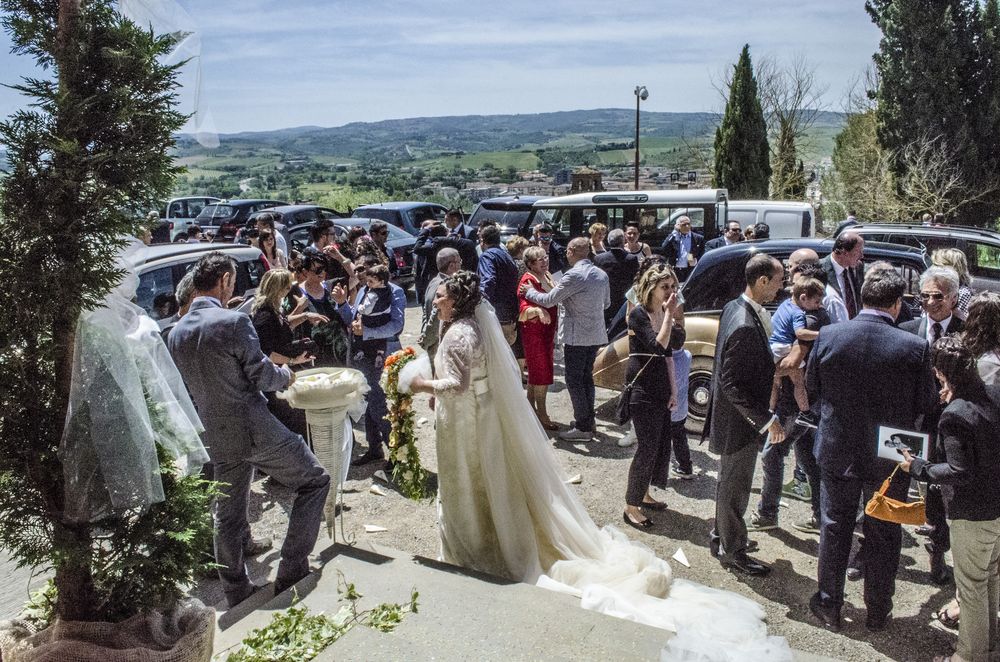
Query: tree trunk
x,y
76,599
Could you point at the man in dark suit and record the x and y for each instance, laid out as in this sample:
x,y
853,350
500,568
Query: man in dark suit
x,y
621,267
683,248
864,373
557,253
844,275
431,240
938,298
733,235
218,355
739,414
454,221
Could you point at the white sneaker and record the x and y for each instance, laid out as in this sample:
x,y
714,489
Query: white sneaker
x,y
576,435
628,440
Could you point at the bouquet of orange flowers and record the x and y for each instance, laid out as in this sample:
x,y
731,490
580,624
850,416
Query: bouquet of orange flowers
x,y
407,474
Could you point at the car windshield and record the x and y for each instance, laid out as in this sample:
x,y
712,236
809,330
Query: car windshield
x,y
210,212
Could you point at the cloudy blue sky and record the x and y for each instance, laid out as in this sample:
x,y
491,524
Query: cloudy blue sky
x,y
268,64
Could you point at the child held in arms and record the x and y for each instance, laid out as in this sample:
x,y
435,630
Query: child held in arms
x,y
790,341
375,310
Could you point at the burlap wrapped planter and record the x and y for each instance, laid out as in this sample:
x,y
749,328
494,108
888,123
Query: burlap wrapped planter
x,y
184,634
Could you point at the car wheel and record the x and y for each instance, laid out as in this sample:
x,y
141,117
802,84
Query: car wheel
x,y
699,387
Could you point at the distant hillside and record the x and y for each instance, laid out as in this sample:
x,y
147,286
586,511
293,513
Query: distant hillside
x,y
427,137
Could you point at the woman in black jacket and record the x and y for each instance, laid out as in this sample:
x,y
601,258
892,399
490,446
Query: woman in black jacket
x,y
967,431
651,367
274,330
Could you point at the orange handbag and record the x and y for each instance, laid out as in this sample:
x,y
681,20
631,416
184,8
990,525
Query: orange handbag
x,y
888,509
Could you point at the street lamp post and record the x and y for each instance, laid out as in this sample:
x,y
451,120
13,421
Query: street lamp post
x,y
641,94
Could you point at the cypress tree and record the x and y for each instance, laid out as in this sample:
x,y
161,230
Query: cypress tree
x,y
742,156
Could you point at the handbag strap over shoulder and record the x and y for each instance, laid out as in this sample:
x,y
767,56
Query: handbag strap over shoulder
x,y
638,374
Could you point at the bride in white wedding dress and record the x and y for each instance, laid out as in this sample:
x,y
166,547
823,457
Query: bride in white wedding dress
x,y
504,508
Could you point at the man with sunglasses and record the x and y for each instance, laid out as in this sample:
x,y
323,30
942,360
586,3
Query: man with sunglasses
x,y
557,254
379,232
938,298
733,235
323,235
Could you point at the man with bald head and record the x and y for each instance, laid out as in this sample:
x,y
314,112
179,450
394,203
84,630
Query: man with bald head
x,y
585,293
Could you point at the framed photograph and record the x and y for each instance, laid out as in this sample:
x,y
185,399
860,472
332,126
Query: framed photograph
x,y
892,441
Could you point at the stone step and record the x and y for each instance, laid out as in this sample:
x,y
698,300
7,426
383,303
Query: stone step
x,y
461,614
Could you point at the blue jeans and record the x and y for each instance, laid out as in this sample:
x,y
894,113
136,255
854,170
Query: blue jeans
x,y
773,463
579,360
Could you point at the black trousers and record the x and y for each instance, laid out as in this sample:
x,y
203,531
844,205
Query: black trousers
x,y
651,462
679,441
839,503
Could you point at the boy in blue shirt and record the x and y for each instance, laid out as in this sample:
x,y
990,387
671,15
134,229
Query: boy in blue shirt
x,y
788,328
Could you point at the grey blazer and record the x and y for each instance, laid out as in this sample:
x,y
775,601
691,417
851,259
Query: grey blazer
x,y
219,357
584,293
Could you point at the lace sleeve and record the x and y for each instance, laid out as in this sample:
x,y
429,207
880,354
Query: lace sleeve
x,y
455,358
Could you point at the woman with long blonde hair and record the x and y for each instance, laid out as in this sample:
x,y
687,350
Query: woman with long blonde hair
x,y
651,371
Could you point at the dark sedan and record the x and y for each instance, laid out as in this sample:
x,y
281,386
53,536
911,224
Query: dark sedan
x,y
399,241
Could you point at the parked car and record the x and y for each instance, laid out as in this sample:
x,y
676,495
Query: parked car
x,y
161,267
718,279
509,212
981,247
178,214
407,216
292,215
224,218
399,241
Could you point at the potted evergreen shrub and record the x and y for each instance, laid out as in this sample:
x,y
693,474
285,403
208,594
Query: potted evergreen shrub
x,y
87,155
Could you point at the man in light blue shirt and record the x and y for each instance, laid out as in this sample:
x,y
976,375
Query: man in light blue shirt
x,y
370,362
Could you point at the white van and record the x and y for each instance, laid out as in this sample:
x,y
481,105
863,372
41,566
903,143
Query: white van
x,y
786,219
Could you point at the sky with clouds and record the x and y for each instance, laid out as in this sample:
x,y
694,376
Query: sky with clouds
x,y
268,65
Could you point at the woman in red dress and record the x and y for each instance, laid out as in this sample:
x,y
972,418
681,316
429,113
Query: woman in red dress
x,y
538,332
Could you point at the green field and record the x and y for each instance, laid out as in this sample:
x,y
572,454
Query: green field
x,y
476,160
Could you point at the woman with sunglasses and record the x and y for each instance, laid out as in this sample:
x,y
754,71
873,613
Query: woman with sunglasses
x,y
332,338
268,245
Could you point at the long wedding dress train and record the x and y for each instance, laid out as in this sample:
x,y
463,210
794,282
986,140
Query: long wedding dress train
x,y
504,509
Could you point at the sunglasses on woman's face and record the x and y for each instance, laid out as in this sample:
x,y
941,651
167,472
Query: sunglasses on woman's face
x,y
319,271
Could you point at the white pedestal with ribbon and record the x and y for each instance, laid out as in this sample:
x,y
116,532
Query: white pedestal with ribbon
x,y
328,395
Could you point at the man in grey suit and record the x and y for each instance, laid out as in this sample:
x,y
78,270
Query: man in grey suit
x,y
739,415
219,357
585,294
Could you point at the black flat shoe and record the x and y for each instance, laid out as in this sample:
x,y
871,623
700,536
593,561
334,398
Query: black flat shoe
x,y
747,565
644,524
828,616
367,458
655,505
